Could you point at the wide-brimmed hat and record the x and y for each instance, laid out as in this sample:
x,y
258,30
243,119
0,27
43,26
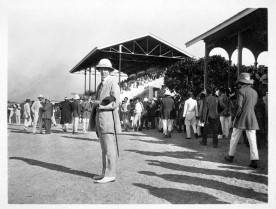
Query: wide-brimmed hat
x,y
28,100
40,96
105,63
76,97
245,78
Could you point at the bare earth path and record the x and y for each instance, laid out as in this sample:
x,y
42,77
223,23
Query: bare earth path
x,y
58,168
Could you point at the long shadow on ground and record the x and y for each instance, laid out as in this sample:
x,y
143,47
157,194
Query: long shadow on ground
x,y
198,155
178,196
20,131
231,189
174,154
224,173
80,138
54,167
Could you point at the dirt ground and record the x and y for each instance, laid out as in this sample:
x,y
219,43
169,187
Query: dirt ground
x,y
58,168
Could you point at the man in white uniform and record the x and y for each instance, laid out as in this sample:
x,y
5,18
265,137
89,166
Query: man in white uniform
x,y
27,114
35,109
190,114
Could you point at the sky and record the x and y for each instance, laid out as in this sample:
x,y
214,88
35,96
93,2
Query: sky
x,y
48,38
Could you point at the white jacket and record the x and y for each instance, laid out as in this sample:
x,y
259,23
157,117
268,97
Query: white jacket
x,y
190,106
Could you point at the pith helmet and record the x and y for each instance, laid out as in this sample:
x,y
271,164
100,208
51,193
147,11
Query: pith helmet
x,y
76,97
105,63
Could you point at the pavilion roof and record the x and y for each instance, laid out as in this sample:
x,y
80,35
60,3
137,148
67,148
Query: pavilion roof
x,y
137,54
251,22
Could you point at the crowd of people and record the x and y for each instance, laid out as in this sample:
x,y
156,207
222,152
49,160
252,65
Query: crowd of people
x,y
220,112
43,113
141,79
214,112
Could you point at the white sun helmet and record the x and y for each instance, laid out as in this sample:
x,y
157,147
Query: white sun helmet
x,y
105,63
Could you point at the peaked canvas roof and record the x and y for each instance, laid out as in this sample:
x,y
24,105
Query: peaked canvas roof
x,y
136,54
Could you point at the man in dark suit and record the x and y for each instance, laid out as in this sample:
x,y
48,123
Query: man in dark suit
x,y
167,106
210,118
245,119
66,114
47,112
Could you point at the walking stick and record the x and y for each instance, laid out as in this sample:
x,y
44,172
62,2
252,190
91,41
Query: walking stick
x,y
115,133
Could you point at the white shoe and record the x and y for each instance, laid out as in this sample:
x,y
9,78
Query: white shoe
x,y
105,180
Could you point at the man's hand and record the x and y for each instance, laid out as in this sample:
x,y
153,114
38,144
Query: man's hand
x,y
107,107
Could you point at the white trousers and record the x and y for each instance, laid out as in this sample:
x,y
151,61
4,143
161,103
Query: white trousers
x,y
75,124
53,119
167,125
17,119
65,126
85,122
137,120
27,122
251,135
36,116
190,120
10,116
225,124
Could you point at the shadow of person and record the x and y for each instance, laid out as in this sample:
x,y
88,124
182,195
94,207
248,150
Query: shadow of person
x,y
209,183
54,167
80,138
20,131
174,154
178,196
223,173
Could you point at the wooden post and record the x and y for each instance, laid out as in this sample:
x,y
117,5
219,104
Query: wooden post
x,y
229,73
95,84
205,65
89,79
239,53
120,57
84,81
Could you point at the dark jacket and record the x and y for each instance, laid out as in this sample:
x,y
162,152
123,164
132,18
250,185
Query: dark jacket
x,y
225,106
210,108
65,112
76,109
245,117
47,110
167,105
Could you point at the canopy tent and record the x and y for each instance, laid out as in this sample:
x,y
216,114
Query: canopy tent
x,y
133,55
247,29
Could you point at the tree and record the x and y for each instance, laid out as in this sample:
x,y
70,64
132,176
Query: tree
x,y
188,75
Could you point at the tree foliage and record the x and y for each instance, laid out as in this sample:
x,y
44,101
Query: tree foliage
x,y
188,75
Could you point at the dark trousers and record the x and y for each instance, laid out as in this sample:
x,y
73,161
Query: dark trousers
x,y
47,123
151,119
212,127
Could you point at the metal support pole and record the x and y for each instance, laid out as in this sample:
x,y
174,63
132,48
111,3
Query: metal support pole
x,y
95,82
120,60
229,73
239,53
256,62
84,81
205,66
89,79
